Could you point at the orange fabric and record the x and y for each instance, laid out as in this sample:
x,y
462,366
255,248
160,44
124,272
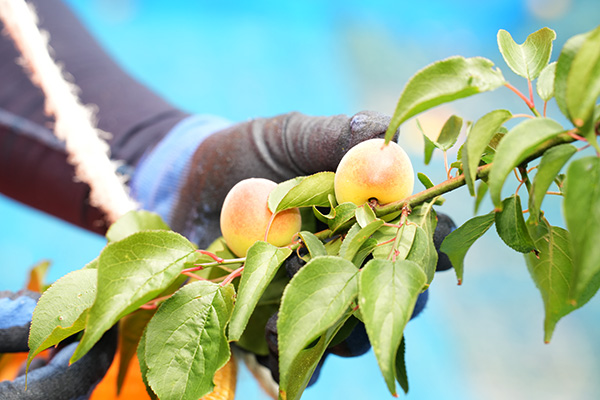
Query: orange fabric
x,y
10,364
133,386
225,382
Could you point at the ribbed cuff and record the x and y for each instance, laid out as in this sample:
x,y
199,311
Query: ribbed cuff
x,y
157,180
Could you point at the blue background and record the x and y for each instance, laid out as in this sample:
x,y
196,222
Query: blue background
x,y
482,340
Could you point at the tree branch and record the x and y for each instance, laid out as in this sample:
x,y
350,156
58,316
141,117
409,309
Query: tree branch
x,y
456,182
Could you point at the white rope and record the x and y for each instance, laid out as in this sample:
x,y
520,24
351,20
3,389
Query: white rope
x,y
88,152
261,374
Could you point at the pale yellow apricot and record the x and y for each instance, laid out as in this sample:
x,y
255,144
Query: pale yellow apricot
x,y
374,170
245,217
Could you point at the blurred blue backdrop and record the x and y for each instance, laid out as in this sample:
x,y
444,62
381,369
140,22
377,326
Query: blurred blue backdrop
x,y
482,340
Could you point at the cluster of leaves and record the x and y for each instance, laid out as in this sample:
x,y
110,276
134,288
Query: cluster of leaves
x,y
372,261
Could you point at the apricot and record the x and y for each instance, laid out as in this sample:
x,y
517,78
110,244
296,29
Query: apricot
x,y
245,217
372,170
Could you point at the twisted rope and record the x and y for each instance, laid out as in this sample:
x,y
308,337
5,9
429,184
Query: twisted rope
x,y
74,122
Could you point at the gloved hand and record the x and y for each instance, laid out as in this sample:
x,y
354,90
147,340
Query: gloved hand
x,y
54,379
356,344
277,148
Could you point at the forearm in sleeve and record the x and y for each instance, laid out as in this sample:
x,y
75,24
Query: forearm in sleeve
x,y
34,171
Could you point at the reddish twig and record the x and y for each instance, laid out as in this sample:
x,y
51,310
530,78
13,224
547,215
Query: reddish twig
x,y
521,95
153,304
232,276
530,92
576,136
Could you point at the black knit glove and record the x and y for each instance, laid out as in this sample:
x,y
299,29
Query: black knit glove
x,y
54,378
277,148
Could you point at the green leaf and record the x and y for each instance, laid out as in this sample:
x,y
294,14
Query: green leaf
x,y
325,217
424,179
449,133
515,147
313,244
344,331
591,129
280,191
401,375
306,362
479,137
61,311
131,328
364,215
316,297
441,82
141,354
313,190
583,80
333,246
581,208
402,245
560,178
365,250
344,215
527,59
563,68
458,242
132,272
253,339
482,189
356,237
428,143
550,165
490,150
545,83
185,341
262,262
511,227
424,215
388,292
423,252
135,221
421,216
551,271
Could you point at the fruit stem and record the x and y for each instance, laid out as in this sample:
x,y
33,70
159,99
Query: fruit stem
x,y
211,255
530,92
221,264
446,164
269,225
524,98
